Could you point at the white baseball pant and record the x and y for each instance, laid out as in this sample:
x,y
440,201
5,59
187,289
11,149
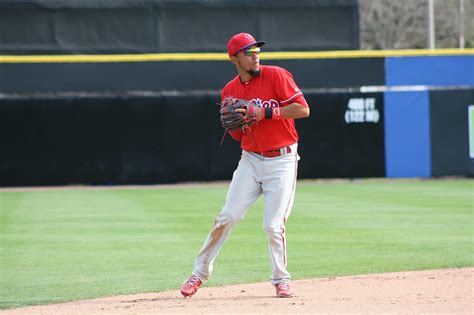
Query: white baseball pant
x,y
275,178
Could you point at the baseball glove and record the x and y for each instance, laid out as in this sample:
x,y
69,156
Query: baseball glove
x,y
233,120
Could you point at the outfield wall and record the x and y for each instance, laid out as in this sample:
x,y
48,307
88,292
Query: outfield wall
x,y
402,124
20,76
165,139
426,111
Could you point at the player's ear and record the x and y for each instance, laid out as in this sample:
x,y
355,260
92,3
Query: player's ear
x,y
233,59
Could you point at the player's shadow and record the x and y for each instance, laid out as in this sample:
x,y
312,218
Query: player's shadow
x,y
201,298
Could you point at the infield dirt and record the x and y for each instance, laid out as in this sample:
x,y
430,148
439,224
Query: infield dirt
x,y
448,291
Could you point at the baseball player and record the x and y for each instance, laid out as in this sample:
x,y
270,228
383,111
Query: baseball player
x,y
268,164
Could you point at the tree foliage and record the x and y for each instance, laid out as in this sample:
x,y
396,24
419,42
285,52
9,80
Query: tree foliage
x,y
404,24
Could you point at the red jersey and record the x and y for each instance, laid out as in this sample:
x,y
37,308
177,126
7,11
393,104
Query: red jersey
x,y
274,87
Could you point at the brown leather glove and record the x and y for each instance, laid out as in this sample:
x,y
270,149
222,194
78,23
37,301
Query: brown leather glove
x,y
233,120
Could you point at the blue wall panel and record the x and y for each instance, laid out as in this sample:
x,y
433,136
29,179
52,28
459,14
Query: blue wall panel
x,y
434,70
407,134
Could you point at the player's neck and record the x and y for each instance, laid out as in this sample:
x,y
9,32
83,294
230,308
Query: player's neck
x,y
244,75
245,78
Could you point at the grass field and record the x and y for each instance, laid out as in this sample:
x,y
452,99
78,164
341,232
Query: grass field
x,y
67,244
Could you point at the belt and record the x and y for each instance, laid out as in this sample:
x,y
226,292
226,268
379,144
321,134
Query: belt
x,y
275,153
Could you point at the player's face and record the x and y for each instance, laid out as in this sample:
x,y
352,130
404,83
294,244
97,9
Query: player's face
x,y
249,60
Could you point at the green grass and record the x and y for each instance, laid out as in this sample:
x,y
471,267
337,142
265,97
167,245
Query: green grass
x,y
60,245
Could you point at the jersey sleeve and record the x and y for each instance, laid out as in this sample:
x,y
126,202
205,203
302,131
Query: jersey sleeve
x,y
287,90
300,100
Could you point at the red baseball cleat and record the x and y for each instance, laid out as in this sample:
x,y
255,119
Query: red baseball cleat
x,y
190,286
284,290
